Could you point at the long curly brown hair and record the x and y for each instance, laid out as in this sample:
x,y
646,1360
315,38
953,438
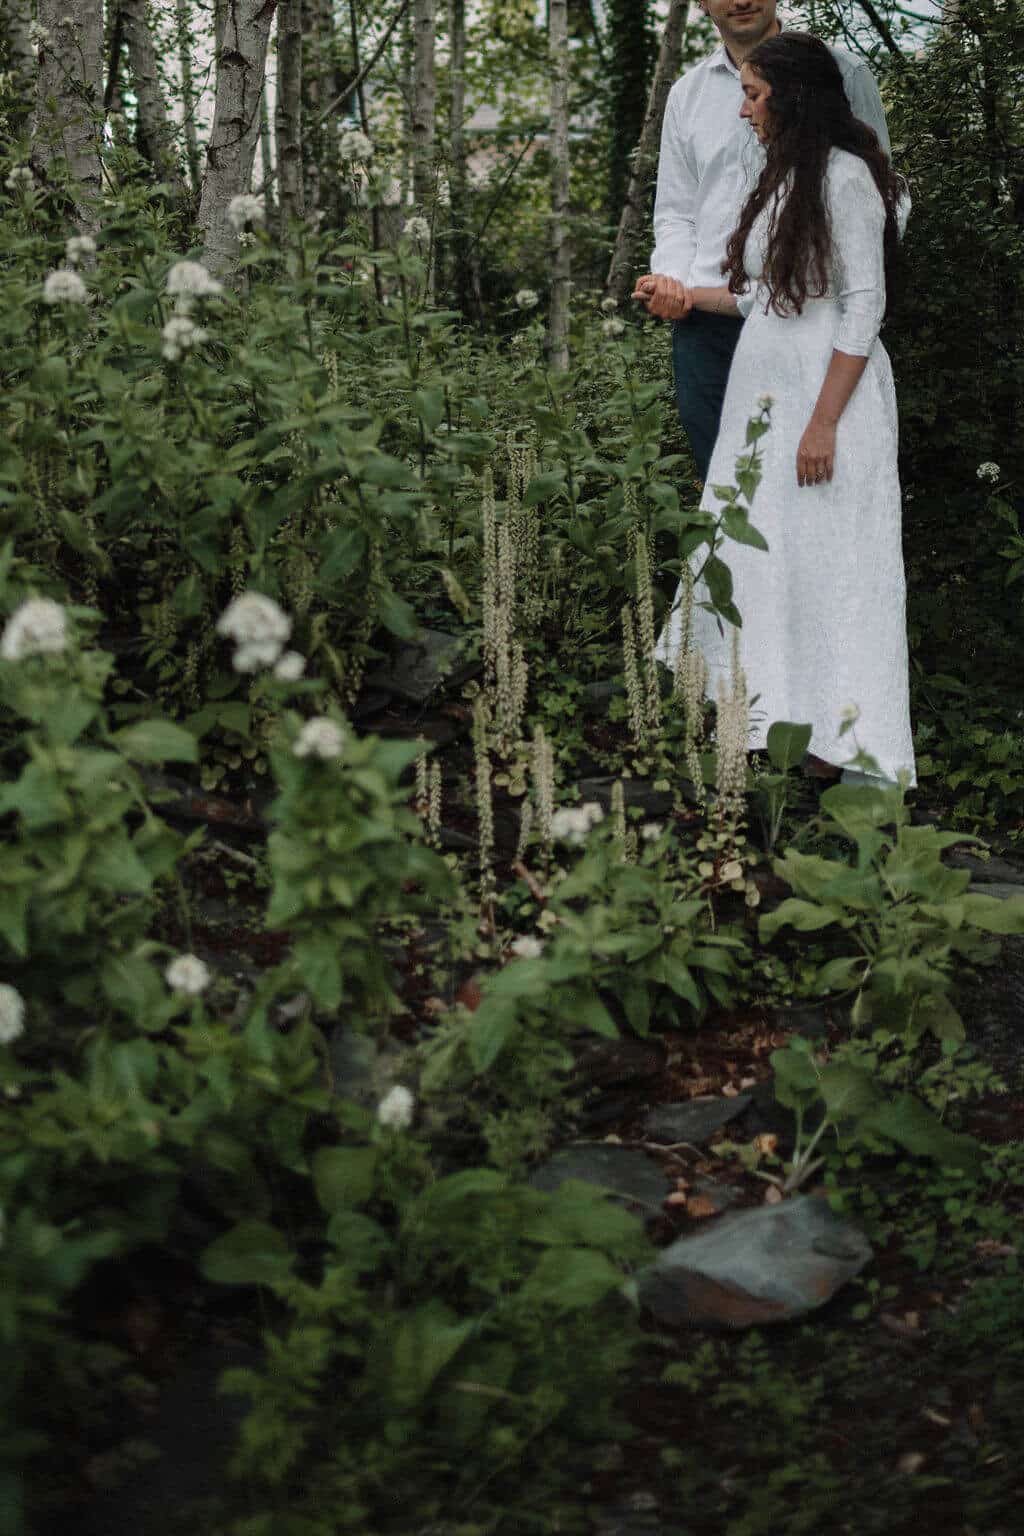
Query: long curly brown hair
x,y
808,115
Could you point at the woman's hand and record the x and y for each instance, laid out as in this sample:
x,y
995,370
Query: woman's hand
x,y
816,455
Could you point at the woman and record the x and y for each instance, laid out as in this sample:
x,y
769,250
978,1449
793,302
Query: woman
x,y
824,610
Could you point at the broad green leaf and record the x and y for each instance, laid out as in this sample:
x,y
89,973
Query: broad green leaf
x,y
993,915
804,916
426,1342
343,1177
157,741
909,1123
849,1092
252,1253
787,744
571,1279
492,1026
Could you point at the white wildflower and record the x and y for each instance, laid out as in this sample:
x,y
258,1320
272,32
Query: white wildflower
x,y
38,35
190,280
988,471
254,619
39,627
255,655
651,831
188,974
527,947
396,1109
179,334
849,714
64,287
12,1014
78,246
290,667
572,824
246,239
614,326
245,209
527,299
609,305
417,229
765,402
19,176
322,738
354,146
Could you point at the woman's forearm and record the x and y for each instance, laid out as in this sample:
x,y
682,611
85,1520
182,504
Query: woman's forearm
x,y
841,380
714,301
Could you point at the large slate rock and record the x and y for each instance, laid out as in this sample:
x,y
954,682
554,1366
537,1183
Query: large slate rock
x,y
993,871
766,1265
628,1175
696,1121
419,667
636,792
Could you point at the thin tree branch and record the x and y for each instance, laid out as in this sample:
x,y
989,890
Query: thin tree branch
x,y
356,83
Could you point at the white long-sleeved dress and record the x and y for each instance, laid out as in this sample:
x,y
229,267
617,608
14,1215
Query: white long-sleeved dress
x,y
823,611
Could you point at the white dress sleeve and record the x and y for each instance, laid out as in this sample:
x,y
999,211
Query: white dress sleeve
x,y
675,201
858,227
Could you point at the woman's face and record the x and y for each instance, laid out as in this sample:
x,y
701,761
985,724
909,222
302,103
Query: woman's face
x,y
755,108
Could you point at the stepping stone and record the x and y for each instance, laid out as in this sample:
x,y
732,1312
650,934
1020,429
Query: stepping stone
x,y
418,667
696,1121
753,1267
626,1174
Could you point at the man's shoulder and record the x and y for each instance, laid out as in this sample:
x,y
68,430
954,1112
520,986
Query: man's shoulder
x,y
694,78
849,63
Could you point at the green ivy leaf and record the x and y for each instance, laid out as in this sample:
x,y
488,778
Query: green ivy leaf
x,y
252,1253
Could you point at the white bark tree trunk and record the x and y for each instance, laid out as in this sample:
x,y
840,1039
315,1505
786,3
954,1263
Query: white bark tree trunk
x,y
183,21
424,102
69,100
634,213
459,174
20,54
156,131
561,246
288,112
236,124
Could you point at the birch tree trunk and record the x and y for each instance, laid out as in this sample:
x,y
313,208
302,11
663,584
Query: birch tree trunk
x,y
459,176
424,102
155,130
69,99
288,112
314,96
236,124
561,248
634,213
183,22
267,161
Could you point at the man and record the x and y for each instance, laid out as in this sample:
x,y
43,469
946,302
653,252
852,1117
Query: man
x,y
709,160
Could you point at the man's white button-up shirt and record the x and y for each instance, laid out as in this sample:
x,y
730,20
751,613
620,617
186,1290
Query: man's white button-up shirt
x,y
710,159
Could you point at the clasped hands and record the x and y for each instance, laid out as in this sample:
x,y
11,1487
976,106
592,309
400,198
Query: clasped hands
x,y
665,298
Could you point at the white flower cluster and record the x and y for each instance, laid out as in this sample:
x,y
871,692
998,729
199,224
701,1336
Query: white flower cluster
x,y
190,280
322,738
765,402
64,287
396,1109
609,305
572,823
19,176
526,298
418,229
78,246
38,35
245,209
989,471
180,334
259,629
613,326
39,627
527,947
188,974
849,714
12,1014
651,831
354,147
290,667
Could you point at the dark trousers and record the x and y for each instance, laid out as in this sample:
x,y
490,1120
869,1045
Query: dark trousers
x,y
702,349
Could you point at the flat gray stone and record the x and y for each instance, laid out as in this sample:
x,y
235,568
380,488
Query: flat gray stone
x,y
419,666
993,871
997,888
635,792
754,1267
696,1121
627,1174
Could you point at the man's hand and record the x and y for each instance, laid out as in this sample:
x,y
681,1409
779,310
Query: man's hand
x,y
663,297
816,455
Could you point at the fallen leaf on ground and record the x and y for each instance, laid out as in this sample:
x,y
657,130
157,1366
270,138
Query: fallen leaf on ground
x,y
700,1207
912,1462
773,1195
